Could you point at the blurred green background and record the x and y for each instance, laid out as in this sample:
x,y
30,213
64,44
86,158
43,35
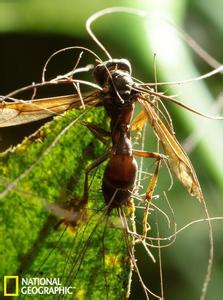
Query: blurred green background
x,y
32,30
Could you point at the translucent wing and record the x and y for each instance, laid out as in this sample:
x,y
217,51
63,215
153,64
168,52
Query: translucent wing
x,y
178,160
20,112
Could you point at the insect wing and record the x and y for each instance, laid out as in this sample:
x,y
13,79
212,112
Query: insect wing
x,y
178,160
22,112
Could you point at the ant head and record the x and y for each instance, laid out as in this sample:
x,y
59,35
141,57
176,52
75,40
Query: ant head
x,y
101,71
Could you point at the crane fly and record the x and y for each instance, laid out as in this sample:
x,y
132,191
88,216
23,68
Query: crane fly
x,y
117,92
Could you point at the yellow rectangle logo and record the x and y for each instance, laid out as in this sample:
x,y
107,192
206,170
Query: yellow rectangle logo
x,y
8,283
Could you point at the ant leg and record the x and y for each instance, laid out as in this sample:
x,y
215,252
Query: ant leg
x,y
97,128
93,165
151,187
146,154
153,180
149,193
98,132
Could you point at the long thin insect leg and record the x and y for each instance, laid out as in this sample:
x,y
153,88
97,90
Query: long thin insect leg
x,y
93,165
151,187
153,181
149,193
147,154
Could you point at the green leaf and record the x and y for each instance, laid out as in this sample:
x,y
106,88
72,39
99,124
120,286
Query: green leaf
x,y
48,168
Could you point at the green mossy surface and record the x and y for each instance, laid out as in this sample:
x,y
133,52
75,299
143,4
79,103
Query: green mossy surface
x,y
91,257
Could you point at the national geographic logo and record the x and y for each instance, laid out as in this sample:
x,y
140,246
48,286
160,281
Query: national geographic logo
x,y
11,286
35,286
